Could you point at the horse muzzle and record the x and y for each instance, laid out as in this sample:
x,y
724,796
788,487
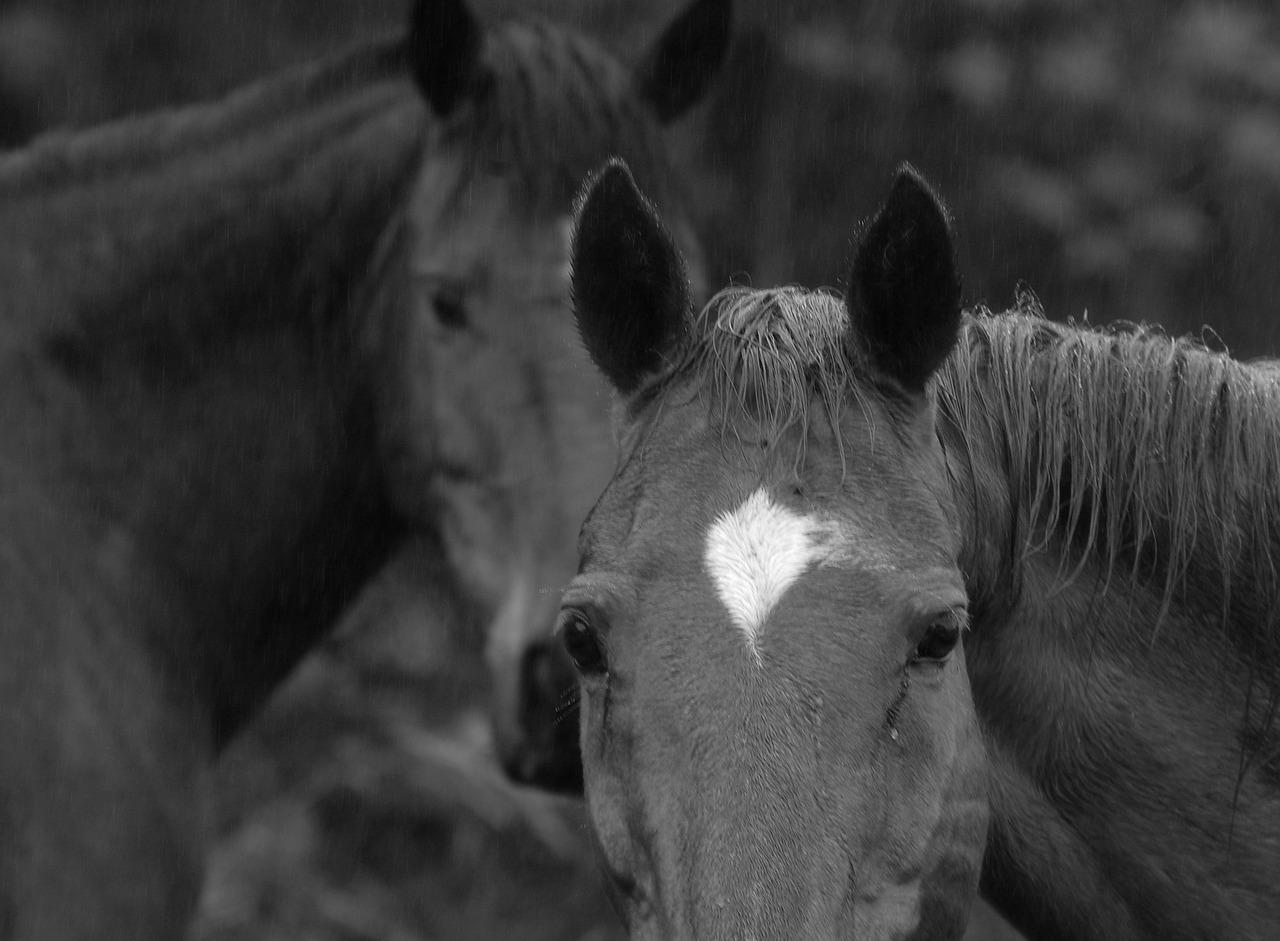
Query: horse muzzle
x,y
545,751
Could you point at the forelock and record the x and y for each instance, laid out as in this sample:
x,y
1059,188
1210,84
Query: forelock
x,y
767,355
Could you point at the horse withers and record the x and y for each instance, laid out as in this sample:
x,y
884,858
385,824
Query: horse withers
x,y
888,601
248,347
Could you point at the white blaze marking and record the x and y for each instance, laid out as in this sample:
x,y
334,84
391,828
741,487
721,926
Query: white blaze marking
x,y
756,552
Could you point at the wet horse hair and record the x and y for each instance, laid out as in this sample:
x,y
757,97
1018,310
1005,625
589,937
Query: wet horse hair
x,y
1149,450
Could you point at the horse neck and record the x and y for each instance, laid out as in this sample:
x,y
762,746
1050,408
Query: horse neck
x,y
1131,769
1119,707
189,379
1153,457
198,207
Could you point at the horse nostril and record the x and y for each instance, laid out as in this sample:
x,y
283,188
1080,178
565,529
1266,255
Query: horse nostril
x,y
549,756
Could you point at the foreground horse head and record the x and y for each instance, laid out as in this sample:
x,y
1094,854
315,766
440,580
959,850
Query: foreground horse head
x,y
830,510
247,349
520,418
778,736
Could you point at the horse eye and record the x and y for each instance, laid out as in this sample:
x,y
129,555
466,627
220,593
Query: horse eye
x,y
450,307
582,642
940,638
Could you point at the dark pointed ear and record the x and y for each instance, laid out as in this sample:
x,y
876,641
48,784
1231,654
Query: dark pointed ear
x,y
904,290
445,42
678,69
630,287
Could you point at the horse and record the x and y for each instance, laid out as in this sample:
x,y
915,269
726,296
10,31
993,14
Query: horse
x,y
249,348
890,601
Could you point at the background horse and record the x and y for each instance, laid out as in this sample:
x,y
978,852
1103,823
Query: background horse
x,y
872,571
248,347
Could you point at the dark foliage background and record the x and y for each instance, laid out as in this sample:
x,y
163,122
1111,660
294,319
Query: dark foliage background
x,y
1122,159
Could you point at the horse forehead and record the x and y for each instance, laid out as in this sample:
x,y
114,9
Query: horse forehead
x,y
458,210
755,552
452,186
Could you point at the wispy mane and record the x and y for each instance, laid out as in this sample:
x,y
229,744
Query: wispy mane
x,y
1148,451
769,353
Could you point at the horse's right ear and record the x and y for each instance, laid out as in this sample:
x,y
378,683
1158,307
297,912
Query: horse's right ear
x,y
677,71
444,43
904,290
630,287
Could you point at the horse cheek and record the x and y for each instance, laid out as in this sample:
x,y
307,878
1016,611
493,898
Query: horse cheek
x,y
956,843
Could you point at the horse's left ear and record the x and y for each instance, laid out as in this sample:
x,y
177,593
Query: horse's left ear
x,y
444,43
630,286
678,69
904,290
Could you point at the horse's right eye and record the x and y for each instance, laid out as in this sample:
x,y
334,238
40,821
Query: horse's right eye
x,y
583,643
938,641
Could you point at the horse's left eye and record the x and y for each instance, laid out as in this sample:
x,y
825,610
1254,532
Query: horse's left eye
x,y
583,643
940,638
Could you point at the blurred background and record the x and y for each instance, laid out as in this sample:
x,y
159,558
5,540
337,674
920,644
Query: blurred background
x,y
1120,159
